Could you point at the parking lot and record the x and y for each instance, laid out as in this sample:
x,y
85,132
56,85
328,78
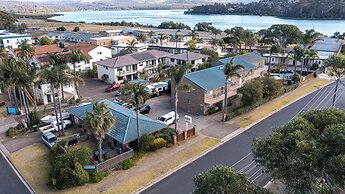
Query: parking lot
x,y
93,91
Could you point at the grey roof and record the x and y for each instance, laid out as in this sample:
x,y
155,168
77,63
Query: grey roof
x,y
124,130
326,44
191,56
84,37
131,59
252,57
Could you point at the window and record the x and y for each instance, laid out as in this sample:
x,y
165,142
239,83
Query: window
x,y
106,68
172,60
203,60
188,101
119,69
128,68
193,62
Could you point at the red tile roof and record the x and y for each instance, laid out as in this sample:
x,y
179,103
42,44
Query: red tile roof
x,y
84,48
39,50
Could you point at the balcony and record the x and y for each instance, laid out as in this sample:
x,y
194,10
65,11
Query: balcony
x,y
217,98
124,73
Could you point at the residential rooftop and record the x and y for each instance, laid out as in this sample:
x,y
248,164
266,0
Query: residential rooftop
x,y
327,45
191,56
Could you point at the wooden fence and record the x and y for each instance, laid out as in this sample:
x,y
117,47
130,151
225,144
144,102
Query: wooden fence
x,y
114,162
184,135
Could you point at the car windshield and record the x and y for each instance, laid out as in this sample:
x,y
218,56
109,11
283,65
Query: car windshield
x,y
53,139
162,119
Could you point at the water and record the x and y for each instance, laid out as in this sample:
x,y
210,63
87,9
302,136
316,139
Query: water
x,y
155,17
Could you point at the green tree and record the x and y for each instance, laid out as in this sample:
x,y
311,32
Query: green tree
x,y
6,20
249,39
138,98
252,92
336,67
151,34
308,38
298,55
214,43
177,75
26,50
99,122
77,57
161,38
309,54
222,179
275,49
132,46
45,41
282,34
230,70
307,153
142,37
271,86
76,29
213,54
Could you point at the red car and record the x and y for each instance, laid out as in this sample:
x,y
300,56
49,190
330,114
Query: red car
x,y
112,87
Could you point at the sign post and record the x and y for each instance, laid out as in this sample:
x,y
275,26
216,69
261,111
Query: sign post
x,y
188,120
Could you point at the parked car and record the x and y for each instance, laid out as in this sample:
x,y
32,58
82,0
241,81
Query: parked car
x,y
66,124
51,118
168,118
144,109
49,139
118,93
112,87
118,101
127,105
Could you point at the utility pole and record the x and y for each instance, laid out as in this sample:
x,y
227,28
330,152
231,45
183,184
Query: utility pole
x,y
335,92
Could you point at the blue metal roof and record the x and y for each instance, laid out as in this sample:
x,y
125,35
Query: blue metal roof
x,y
125,128
212,78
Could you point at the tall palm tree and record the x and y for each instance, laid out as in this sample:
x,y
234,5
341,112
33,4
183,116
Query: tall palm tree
x,y
138,98
161,71
309,38
216,32
214,43
132,46
142,37
26,50
161,38
274,49
230,70
194,34
151,34
249,39
177,74
77,57
99,122
310,54
298,54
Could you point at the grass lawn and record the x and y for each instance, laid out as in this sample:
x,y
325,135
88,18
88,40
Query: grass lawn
x,y
135,181
266,109
33,163
89,144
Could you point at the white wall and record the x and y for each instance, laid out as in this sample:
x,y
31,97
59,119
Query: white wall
x,y
15,42
101,70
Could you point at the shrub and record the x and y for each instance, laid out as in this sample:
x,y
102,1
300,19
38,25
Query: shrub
x,y
146,142
296,78
34,117
127,164
71,101
83,155
158,144
97,177
271,86
167,134
78,100
16,131
252,92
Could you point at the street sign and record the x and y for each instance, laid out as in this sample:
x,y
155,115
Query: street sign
x,y
188,119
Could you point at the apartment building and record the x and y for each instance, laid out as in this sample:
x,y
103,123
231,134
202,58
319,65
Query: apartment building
x,y
193,58
207,86
13,40
128,67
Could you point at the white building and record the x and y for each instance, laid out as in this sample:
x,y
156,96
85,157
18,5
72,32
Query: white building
x,y
116,49
193,58
129,67
45,95
13,40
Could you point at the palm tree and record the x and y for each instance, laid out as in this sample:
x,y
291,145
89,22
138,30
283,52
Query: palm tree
x,y
142,37
177,75
77,57
298,54
152,41
310,54
161,71
249,39
138,98
216,32
309,38
161,38
151,34
132,46
230,70
194,34
99,122
26,50
214,43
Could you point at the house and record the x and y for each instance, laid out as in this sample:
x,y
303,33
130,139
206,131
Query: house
x,y
116,49
101,41
44,94
193,58
128,67
13,40
122,39
207,86
325,48
124,130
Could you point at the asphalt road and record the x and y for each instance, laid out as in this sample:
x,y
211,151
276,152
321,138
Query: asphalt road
x,y
237,151
9,181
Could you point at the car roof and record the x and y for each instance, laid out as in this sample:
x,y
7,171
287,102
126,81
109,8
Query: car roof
x,y
49,134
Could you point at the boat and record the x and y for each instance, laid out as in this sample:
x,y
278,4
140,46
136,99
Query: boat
x,y
51,118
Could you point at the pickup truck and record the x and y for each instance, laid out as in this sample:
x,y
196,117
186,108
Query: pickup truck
x,y
53,126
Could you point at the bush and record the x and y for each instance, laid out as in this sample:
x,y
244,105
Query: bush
x,y
167,134
146,142
83,155
296,78
97,177
158,144
34,117
78,100
16,131
252,92
127,164
271,86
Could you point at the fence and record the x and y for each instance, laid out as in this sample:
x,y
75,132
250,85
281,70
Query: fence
x,y
184,135
114,162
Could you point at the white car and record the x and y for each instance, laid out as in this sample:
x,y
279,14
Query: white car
x,y
66,124
168,118
52,117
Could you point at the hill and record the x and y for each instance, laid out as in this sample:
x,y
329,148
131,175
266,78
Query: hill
x,y
306,9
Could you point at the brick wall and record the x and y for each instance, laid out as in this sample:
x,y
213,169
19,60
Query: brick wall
x,y
114,162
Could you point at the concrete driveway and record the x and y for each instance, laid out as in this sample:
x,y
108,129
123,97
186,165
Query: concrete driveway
x,y
93,90
207,125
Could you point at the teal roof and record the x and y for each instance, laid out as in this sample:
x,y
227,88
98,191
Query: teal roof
x,y
212,78
125,128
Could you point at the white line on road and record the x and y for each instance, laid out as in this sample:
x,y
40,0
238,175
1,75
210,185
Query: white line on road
x,y
260,169
242,159
247,166
252,168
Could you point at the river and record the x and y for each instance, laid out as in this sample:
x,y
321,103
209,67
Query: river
x,y
155,17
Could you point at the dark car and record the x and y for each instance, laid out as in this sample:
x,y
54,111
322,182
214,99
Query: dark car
x,y
144,109
112,87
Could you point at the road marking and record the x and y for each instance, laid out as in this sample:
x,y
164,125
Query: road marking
x,y
260,169
242,159
245,167
249,170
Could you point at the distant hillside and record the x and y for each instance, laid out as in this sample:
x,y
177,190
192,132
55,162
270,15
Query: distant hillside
x,y
308,9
